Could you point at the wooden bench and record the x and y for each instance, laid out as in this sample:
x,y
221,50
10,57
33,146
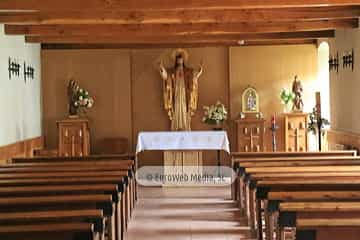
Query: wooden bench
x,y
264,187
44,175
29,191
30,204
75,166
274,199
236,158
94,216
250,192
65,178
245,171
314,215
76,231
78,158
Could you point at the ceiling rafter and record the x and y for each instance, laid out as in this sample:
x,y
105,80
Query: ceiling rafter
x,y
180,16
139,30
114,5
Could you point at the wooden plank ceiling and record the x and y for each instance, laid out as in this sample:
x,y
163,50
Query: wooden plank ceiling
x,y
170,23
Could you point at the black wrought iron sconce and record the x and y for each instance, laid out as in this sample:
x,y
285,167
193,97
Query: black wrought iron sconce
x,y
14,68
348,60
334,63
28,72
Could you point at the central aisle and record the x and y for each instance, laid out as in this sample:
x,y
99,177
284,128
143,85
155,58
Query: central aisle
x,y
186,214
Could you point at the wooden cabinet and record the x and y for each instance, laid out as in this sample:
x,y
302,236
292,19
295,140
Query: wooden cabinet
x,y
74,137
296,137
250,135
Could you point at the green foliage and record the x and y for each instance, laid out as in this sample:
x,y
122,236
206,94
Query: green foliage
x,y
314,121
286,96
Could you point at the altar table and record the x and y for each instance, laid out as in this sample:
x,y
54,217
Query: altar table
x,y
182,149
183,140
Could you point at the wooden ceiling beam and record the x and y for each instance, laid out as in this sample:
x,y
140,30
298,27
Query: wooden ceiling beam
x,y
181,16
130,40
117,46
139,30
116,5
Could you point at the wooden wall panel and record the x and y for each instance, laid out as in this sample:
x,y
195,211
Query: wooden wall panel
x,y
21,149
128,89
343,138
269,69
105,74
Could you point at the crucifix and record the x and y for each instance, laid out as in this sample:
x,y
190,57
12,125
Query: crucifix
x,y
319,118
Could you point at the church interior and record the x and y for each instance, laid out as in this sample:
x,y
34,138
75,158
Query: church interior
x,y
185,120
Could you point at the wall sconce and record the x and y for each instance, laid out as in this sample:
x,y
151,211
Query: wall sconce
x,y
334,62
28,72
14,68
348,60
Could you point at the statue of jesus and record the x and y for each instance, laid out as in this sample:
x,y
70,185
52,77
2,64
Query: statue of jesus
x,y
180,90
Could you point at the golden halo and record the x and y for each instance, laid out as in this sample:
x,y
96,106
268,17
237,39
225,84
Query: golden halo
x,y
181,52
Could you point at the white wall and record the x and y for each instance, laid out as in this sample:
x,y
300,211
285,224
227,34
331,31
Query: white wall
x,y
20,103
345,85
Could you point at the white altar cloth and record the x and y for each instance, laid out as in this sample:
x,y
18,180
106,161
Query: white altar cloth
x,y
183,140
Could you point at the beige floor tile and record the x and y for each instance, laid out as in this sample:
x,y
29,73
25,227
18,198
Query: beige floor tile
x,y
186,214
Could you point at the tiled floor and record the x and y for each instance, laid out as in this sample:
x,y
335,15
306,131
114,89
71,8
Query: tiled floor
x,y
186,214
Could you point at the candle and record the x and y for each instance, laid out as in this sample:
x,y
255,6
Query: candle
x,y
273,121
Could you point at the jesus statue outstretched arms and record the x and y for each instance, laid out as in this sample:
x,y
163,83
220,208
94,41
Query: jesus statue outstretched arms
x,y
180,92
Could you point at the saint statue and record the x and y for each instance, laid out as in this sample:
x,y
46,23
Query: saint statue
x,y
180,91
297,90
251,101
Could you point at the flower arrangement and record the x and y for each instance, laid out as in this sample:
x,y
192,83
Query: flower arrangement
x,y
215,114
79,99
287,99
286,96
83,99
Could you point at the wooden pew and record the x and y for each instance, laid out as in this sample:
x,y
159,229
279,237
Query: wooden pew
x,y
75,166
30,204
70,168
119,157
274,199
242,155
94,216
293,162
84,231
237,157
314,215
250,192
76,171
30,191
259,191
98,165
66,178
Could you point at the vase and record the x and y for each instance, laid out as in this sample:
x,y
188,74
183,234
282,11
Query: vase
x,y
287,108
218,127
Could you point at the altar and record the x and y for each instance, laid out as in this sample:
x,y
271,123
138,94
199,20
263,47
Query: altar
x,y
177,144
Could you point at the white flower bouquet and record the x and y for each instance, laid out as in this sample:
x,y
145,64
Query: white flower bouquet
x,y
83,99
215,114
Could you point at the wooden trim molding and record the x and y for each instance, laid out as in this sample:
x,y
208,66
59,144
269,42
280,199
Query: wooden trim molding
x,y
347,139
21,149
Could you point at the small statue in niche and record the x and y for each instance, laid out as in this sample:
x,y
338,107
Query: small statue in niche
x,y
297,90
250,101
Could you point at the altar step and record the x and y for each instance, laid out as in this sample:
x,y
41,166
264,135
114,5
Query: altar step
x,y
201,213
